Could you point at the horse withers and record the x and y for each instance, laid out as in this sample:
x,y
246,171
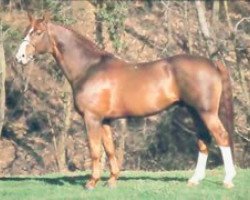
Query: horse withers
x,y
106,87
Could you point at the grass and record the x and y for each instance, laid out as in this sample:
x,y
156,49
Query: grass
x,y
131,186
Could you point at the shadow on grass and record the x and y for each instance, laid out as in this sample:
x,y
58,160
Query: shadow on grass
x,y
80,180
73,180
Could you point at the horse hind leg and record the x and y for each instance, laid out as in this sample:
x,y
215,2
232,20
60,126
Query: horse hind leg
x,y
204,139
110,151
218,131
200,169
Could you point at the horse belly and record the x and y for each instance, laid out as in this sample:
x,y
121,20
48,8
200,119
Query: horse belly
x,y
146,105
150,98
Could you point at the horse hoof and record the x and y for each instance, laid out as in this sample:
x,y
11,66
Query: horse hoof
x,y
89,188
89,185
111,185
192,183
228,185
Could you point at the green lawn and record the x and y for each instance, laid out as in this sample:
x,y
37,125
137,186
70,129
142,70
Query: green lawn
x,y
132,185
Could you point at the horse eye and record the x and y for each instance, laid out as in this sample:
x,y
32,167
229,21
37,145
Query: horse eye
x,y
38,32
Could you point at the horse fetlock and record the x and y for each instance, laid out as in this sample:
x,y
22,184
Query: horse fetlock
x,y
228,180
196,178
112,182
96,175
192,182
229,176
201,177
115,172
91,183
228,184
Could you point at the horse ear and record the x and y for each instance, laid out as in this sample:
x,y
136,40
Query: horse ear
x,y
46,17
30,17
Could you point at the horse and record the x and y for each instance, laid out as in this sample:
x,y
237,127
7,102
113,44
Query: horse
x,y
106,87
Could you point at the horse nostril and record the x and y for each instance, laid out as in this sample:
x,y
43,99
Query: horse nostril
x,y
23,55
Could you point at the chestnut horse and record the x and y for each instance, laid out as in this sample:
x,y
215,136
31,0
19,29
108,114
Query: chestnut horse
x,y
106,87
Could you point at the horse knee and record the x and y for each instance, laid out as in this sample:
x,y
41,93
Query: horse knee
x,y
95,156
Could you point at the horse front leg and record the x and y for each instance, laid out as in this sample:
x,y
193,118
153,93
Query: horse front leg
x,y
108,144
94,131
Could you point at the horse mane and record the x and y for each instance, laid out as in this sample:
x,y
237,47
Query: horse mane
x,y
84,40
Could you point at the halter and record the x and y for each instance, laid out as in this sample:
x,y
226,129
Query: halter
x,y
30,43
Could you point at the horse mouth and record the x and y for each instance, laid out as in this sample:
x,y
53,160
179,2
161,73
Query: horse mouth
x,y
26,61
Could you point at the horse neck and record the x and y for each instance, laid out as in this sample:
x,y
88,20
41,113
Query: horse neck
x,y
74,53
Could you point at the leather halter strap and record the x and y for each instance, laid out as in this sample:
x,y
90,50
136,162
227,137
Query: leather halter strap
x,y
30,43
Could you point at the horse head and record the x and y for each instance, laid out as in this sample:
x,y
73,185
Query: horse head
x,y
36,40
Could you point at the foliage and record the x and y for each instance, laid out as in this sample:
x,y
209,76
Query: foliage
x,y
60,10
114,14
11,38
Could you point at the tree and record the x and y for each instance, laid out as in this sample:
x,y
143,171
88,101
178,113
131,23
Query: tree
x,y
211,47
216,10
61,151
2,80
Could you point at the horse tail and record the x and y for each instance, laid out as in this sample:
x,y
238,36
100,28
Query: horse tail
x,y
226,111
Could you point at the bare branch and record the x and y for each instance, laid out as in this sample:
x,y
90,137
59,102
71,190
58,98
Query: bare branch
x,y
183,127
239,22
202,19
238,133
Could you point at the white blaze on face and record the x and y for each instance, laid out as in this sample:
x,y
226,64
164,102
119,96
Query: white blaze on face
x,y
21,55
